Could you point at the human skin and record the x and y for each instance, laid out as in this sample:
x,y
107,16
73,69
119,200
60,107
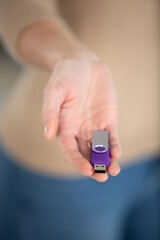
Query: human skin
x,y
79,96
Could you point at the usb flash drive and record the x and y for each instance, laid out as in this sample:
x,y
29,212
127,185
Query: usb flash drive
x,y
99,151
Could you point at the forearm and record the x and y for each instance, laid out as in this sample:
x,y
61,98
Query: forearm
x,y
44,42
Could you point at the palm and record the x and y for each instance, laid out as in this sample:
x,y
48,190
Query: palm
x,y
91,102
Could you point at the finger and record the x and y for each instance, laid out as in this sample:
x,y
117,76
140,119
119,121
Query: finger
x,y
84,148
113,168
114,143
52,101
100,177
115,149
71,152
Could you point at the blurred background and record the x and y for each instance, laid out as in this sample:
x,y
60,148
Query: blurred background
x,y
9,71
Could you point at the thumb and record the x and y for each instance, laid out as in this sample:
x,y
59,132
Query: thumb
x,y
53,98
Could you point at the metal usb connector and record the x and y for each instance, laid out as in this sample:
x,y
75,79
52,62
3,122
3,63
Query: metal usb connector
x,y
99,168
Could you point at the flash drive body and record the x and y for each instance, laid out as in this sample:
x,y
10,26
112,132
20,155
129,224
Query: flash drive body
x,y
99,151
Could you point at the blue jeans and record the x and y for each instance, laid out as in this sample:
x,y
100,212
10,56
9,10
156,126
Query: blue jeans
x,y
40,207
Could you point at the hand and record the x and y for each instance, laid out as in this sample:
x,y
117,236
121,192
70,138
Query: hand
x,y
78,99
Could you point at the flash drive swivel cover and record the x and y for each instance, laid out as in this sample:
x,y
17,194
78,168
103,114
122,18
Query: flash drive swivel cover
x,y
99,151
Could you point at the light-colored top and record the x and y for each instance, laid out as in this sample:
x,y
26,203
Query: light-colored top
x,y
125,35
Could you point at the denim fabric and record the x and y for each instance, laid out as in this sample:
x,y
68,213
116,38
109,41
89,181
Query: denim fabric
x,y
40,207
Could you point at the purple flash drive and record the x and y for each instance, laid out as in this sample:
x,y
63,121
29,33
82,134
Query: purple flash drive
x,y
99,151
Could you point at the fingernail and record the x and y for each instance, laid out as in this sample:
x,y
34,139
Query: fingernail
x,y
45,129
116,172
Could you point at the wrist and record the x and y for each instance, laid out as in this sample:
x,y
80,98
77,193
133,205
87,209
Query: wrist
x,y
44,43
71,53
